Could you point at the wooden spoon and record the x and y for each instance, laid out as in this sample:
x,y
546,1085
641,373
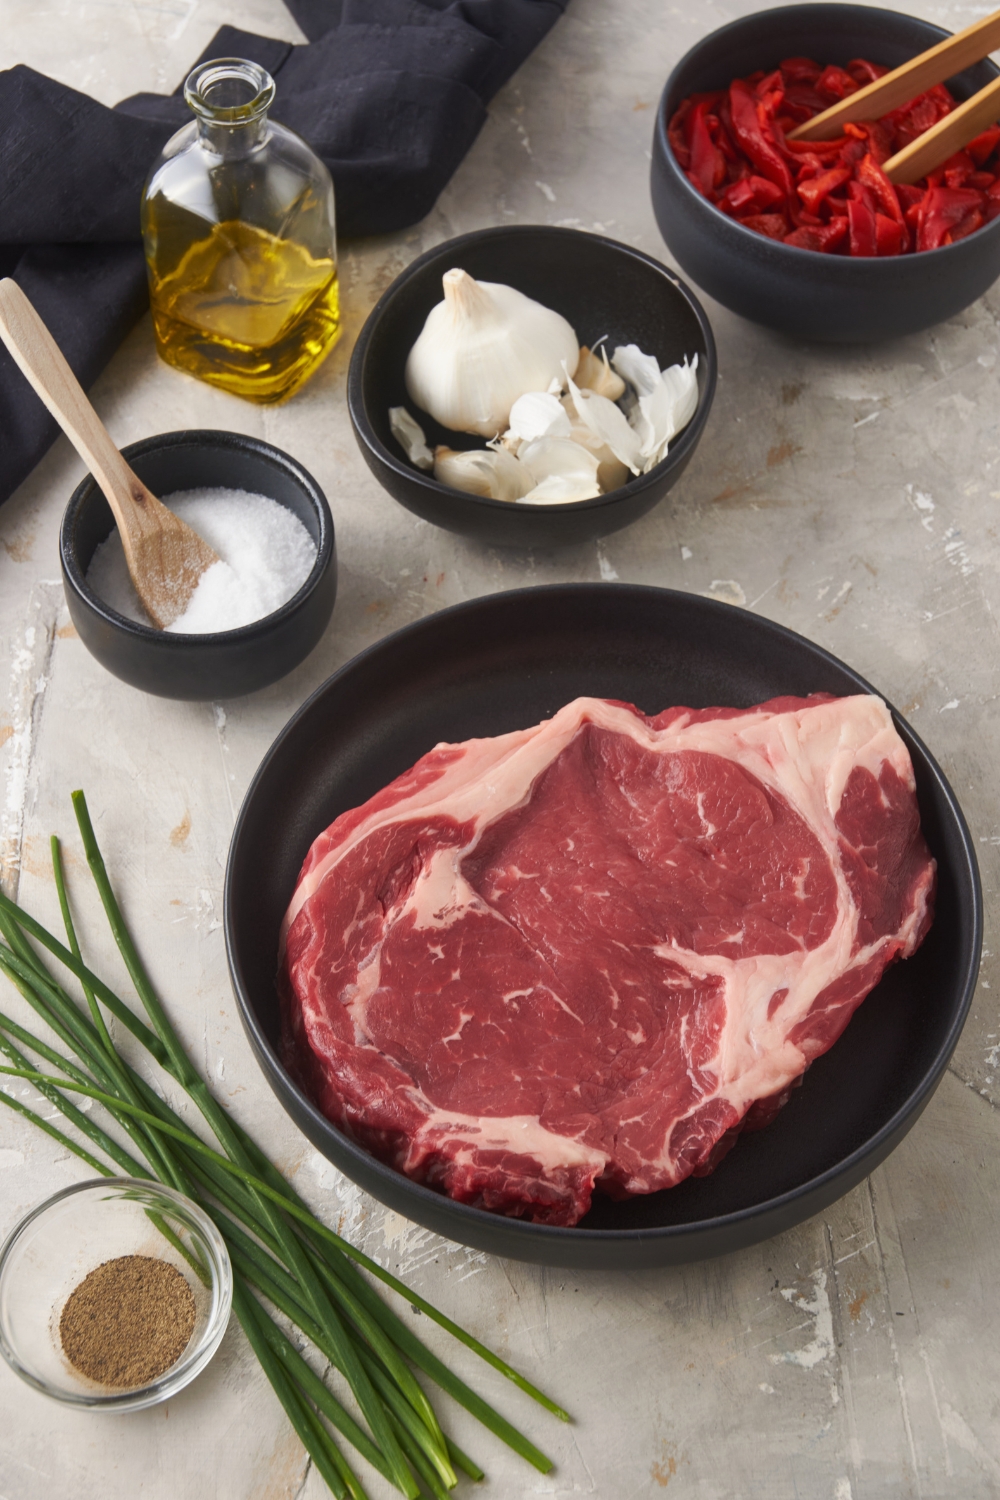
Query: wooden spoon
x,y
164,556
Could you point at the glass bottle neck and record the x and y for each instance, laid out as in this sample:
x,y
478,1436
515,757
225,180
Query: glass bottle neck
x,y
232,141
230,98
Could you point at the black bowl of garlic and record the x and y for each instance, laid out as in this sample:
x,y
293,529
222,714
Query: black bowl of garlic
x,y
532,386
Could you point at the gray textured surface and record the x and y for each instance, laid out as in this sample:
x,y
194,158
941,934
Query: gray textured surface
x,y
850,494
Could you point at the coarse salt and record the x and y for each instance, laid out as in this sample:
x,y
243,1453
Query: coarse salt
x,y
265,556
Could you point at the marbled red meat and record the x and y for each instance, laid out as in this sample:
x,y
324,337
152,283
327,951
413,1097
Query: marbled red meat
x,y
588,952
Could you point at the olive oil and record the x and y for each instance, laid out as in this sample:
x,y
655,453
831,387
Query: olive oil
x,y
239,229
243,309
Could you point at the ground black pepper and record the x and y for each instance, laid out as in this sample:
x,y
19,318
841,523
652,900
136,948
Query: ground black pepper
x,y
128,1321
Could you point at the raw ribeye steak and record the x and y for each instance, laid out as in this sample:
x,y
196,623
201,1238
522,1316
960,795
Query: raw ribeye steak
x,y
590,951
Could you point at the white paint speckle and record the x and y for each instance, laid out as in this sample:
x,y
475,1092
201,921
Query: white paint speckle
x,y
686,554
728,590
957,552
820,1346
546,191
923,504
952,703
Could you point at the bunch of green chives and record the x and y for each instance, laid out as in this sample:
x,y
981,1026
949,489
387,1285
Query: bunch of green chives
x,y
280,1252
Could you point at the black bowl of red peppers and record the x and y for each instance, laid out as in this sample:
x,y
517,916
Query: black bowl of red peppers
x,y
810,238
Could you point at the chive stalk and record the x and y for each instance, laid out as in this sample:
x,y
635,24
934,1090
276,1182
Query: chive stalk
x,y
305,1270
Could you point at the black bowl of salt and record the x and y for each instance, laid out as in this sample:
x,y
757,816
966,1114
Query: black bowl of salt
x,y
250,621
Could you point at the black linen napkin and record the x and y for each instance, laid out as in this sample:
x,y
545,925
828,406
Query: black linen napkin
x,y
390,93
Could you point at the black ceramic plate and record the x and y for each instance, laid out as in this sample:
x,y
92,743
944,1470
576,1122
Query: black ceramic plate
x,y
507,661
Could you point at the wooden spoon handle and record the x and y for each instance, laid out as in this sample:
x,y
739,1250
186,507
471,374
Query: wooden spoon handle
x,y
164,556
43,365
904,83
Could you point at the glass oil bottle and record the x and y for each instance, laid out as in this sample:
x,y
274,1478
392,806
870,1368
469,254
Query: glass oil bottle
x,y
239,232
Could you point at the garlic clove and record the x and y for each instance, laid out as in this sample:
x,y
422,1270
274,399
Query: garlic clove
x,y
490,473
611,472
410,436
593,374
480,349
559,489
560,456
608,424
538,414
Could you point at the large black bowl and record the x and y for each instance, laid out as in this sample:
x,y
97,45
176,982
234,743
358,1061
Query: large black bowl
x,y
228,663
505,662
602,287
832,298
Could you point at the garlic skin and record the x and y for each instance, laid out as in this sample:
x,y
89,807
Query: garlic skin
x,y
593,374
611,472
536,415
557,489
666,400
608,424
410,436
480,349
561,470
490,473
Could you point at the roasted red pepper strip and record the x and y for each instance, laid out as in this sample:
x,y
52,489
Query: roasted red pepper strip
x,y
941,212
775,226
831,196
676,133
816,189
750,136
983,147
889,235
826,237
708,165
861,225
751,195
870,173
800,70
834,84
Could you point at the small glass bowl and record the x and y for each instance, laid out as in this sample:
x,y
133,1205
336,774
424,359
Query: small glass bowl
x,y
65,1238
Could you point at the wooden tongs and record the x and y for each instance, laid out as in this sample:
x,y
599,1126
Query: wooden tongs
x,y
949,135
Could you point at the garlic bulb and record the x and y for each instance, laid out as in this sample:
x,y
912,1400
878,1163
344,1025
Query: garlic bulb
x,y
491,473
410,436
593,374
483,347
